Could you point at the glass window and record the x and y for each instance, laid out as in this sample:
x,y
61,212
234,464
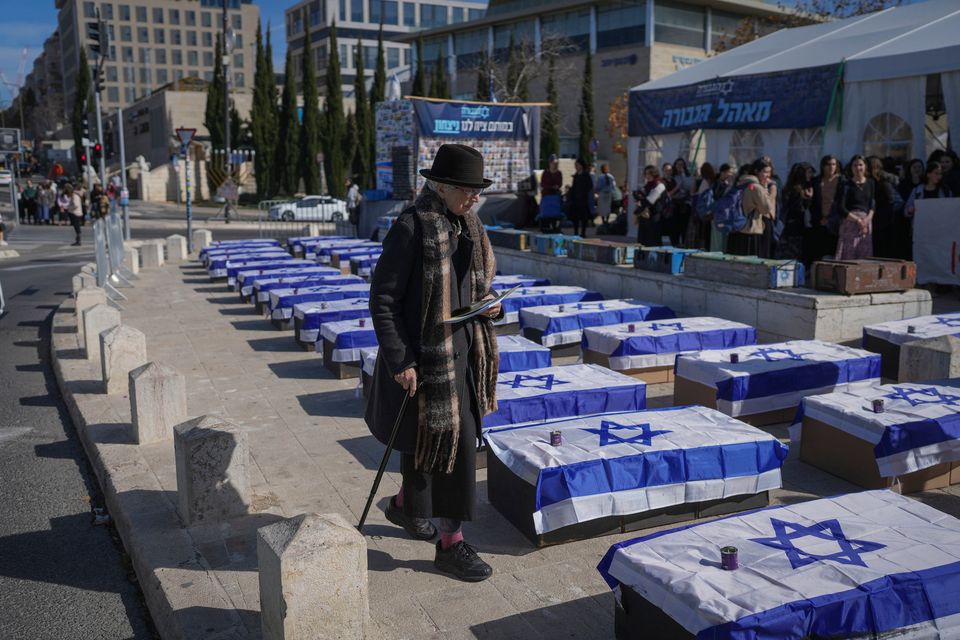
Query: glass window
x,y
573,26
804,146
207,38
316,13
162,76
158,36
146,77
128,74
191,38
393,58
191,18
679,24
745,147
344,56
239,80
457,15
126,33
192,58
160,56
113,94
158,15
176,57
237,21
238,40
89,10
143,34
474,14
141,14
208,58
521,32
467,46
321,56
888,134
356,10
174,16
433,15
651,152
406,57
208,76
106,11
127,54
144,55
124,12
621,24
129,95
723,26
178,74
373,8
206,20
343,10
296,22
111,74
390,12
369,57
433,49
409,14
175,37
238,60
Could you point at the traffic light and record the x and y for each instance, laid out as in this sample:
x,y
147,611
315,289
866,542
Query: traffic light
x,y
97,150
83,157
98,32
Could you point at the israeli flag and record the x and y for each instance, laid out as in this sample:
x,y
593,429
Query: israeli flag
x,y
348,337
657,343
232,268
627,463
312,315
323,254
564,323
558,392
540,296
246,277
510,281
769,377
368,359
919,426
861,565
282,300
263,287
520,354
364,265
900,332
219,246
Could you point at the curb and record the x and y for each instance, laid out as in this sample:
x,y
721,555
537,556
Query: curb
x,y
185,599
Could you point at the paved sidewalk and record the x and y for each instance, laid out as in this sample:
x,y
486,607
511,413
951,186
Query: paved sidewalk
x,y
311,452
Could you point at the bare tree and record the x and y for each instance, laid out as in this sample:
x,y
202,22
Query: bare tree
x,y
510,81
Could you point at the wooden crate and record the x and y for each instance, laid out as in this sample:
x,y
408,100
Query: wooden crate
x,y
746,271
510,238
873,275
602,251
662,259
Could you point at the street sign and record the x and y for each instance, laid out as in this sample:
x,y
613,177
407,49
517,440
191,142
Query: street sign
x,y
228,190
185,135
9,141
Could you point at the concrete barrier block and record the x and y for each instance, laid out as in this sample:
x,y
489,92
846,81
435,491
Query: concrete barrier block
x,y
311,230
82,280
202,238
86,298
176,248
313,579
131,259
90,267
151,256
211,457
158,401
930,359
96,320
122,349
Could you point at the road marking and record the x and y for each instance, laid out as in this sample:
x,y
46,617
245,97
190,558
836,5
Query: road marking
x,y
9,433
26,267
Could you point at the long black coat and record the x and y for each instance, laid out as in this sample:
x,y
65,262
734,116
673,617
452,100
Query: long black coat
x,y
396,293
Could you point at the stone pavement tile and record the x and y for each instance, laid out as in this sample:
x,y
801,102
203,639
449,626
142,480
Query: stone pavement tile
x,y
403,618
456,604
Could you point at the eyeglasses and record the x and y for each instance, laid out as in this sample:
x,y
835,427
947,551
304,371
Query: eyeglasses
x,y
470,193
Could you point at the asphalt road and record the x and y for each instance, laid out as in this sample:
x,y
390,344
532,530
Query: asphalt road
x,y
61,576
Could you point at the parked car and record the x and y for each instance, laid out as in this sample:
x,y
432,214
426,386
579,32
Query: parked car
x,y
5,178
312,208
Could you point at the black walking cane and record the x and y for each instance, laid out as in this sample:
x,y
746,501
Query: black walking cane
x,y
383,463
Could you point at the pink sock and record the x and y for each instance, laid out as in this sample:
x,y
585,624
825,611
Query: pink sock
x,y
447,540
398,499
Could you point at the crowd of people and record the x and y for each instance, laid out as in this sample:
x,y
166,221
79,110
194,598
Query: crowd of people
x,y
859,210
64,203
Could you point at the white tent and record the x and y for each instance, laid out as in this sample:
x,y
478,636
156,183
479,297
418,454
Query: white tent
x,y
884,59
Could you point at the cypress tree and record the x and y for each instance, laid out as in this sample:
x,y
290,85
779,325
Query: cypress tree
x,y
80,103
334,167
362,166
351,147
261,121
439,87
513,71
378,90
419,78
213,113
587,127
482,93
310,129
550,132
271,139
289,132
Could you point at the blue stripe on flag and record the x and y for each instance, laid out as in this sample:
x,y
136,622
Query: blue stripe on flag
x,y
656,468
686,341
809,376
564,404
356,339
524,360
912,435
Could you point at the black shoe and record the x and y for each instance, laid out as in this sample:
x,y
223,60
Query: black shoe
x,y
418,528
463,562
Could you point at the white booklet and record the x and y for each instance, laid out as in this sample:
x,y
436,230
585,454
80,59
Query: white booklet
x,y
465,313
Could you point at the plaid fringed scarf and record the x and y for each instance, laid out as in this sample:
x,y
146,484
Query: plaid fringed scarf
x,y
438,433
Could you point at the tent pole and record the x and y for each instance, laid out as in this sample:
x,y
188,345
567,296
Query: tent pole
x,y
696,151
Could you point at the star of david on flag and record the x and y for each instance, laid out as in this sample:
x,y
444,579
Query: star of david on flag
x,y
656,326
950,322
645,436
927,395
785,533
769,354
545,382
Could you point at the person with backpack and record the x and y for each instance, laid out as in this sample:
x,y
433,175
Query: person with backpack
x,y
753,237
798,198
652,201
702,203
579,199
931,187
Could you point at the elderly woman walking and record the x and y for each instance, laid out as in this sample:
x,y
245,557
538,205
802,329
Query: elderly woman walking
x,y
436,259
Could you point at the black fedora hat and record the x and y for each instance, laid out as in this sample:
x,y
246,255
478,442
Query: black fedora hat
x,y
459,165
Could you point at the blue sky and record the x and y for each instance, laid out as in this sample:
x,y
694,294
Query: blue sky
x,y
28,24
